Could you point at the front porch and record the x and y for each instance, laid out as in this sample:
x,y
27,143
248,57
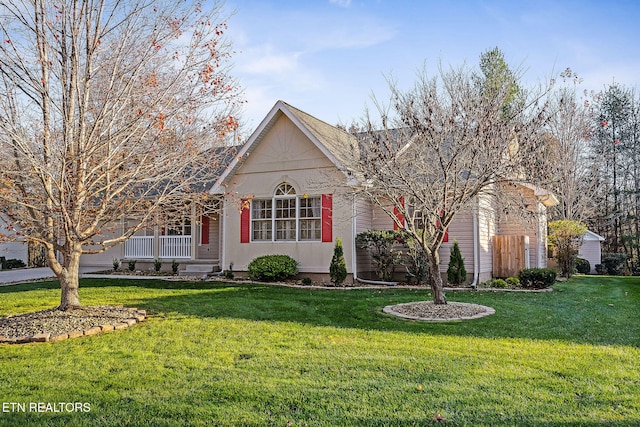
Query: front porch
x,y
192,242
162,247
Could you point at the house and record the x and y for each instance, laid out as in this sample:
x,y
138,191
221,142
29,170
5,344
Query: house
x,y
287,191
590,249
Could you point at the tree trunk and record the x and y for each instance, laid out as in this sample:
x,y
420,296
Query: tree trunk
x,y
435,279
68,277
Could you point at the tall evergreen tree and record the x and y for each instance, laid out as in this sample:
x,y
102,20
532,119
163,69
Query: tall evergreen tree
x,y
456,273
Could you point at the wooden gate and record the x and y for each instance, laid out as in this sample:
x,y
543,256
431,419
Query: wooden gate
x,y
510,255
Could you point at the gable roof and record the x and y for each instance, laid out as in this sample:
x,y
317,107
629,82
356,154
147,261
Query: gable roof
x,y
590,235
335,143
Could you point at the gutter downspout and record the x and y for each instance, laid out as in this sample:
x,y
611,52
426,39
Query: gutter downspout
x,y
223,233
476,243
354,230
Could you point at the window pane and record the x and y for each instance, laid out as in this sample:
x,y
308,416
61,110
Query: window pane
x,y
261,214
285,189
261,209
262,230
285,208
310,207
310,229
285,229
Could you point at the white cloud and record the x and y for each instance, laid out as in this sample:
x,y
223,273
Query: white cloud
x,y
266,60
341,3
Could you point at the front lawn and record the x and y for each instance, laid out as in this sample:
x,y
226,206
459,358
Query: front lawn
x,y
256,355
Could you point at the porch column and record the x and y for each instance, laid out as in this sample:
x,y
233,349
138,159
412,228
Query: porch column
x,y
195,231
156,242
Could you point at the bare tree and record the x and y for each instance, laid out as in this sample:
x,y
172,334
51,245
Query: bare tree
x,y
575,177
106,109
443,143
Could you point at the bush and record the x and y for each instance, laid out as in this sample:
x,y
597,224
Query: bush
x,y
456,273
498,283
599,268
8,264
272,267
338,266
380,244
614,263
116,264
415,262
157,265
583,266
132,265
174,266
537,278
513,282
306,281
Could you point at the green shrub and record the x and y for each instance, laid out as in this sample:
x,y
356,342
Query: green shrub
x,y
380,244
513,282
8,264
614,263
415,262
116,264
306,281
174,266
272,267
456,273
599,268
157,265
338,266
499,283
132,265
583,266
537,278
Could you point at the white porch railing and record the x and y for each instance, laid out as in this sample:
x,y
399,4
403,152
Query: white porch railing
x,y
175,247
172,247
139,247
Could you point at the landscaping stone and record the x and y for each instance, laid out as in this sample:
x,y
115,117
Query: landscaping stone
x,y
93,331
44,337
428,311
54,325
60,337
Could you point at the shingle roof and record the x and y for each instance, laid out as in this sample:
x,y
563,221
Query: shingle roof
x,y
337,144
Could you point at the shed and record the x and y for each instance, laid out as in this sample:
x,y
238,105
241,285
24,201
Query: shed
x,y
590,249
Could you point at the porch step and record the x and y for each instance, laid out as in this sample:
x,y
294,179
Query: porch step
x,y
198,269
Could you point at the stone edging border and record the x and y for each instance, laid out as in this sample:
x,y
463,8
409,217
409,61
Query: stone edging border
x,y
390,310
137,316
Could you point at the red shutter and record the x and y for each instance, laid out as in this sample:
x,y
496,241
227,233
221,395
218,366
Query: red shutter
x,y
327,218
245,221
398,217
205,230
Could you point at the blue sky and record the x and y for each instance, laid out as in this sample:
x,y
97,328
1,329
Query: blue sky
x,y
329,57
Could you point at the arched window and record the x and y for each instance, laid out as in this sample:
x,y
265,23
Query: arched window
x,y
285,212
285,189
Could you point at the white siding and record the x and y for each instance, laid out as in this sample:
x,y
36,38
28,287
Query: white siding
x,y
460,230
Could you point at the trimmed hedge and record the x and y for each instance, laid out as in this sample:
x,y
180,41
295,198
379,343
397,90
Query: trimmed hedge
x,y
537,278
272,267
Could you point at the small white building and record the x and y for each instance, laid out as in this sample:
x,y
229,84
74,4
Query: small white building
x,y
590,249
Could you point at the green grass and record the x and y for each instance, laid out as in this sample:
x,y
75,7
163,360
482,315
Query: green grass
x,y
257,355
